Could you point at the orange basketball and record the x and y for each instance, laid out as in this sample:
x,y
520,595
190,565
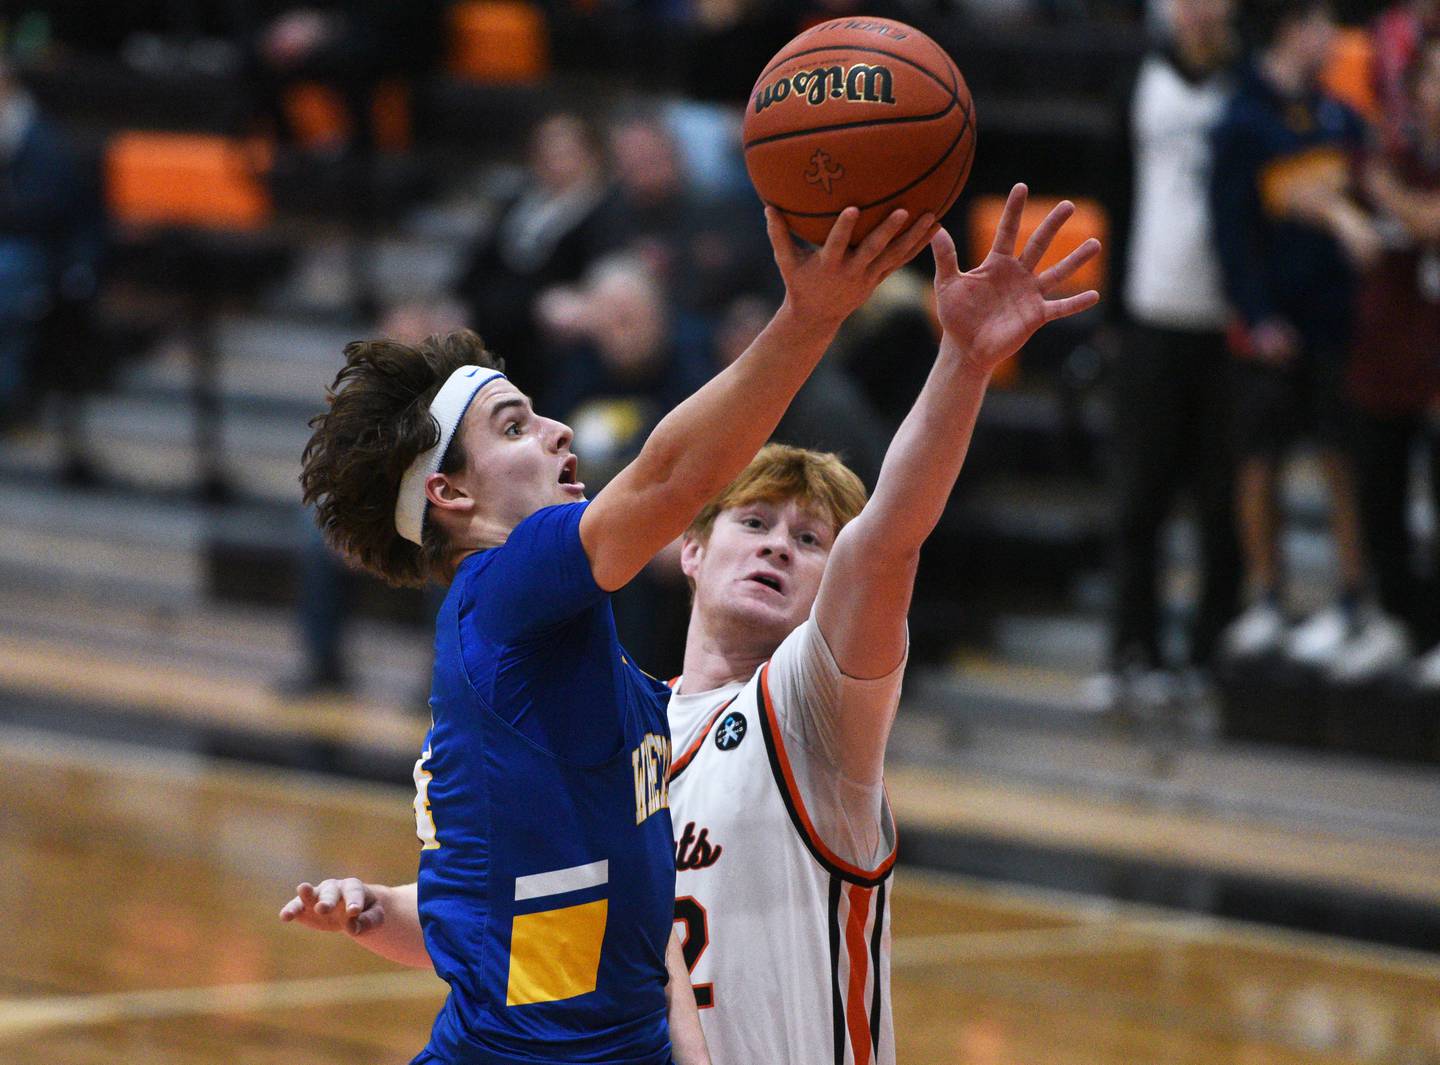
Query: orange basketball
x,y
862,112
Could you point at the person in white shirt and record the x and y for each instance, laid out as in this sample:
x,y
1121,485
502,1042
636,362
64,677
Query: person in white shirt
x,y
794,657
1170,379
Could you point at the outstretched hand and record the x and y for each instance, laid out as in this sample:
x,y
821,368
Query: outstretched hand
x,y
348,905
829,283
991,311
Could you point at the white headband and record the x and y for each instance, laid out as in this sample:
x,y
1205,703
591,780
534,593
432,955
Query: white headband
x,y
448,408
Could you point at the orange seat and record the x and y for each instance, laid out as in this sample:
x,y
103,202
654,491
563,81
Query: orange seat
x,y
1350,72
499,41
1089,220
320,119
187,179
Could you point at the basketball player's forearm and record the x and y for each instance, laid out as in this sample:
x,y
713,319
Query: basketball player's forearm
x,y
870,579
700,447
687,1040
704,443
925,457
398,938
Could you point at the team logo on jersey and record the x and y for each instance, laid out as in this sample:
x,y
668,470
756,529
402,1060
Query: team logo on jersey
x,y
731,731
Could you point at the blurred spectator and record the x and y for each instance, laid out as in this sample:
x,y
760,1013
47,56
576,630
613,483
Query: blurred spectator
x,y
548,233
1398,33
1287,232
632,358
887,347
350,46
43,211
1172,374
704,248
1395,364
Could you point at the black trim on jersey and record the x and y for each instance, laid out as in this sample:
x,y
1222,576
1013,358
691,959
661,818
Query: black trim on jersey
x,y
875,971
837,1004
785,796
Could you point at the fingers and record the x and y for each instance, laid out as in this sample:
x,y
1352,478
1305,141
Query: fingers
x,y
838,242
315,906
786,257
353,892
367,921
907,245
1008,228
304,900
327,896
1039,242
1062,270
947,262
881,236
1064,308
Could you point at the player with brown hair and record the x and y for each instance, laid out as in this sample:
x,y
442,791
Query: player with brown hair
x,y
797,633
546,881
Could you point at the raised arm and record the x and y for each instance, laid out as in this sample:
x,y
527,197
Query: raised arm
x,y
986,316
383,920
704,443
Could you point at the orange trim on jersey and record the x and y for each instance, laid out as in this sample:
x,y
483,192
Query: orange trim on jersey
x,y
678,766
797,801
856,1019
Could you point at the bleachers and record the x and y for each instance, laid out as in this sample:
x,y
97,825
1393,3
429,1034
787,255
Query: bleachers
x,y
241,258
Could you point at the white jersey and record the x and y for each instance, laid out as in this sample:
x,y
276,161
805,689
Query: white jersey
x,y
783,866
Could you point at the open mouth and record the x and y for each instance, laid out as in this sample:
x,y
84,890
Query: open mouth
x,y
768,582
567,471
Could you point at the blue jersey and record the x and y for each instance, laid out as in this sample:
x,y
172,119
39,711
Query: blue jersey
x,y
1273,261
547,868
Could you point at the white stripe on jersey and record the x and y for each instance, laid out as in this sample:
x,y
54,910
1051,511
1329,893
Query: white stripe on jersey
x,y
558,881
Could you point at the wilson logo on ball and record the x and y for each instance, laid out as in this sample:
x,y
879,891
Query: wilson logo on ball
x,y
863,82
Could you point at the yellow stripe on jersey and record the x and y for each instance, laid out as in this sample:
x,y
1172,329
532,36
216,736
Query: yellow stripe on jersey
x,y
555,954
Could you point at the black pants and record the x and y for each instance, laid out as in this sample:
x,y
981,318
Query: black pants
x,y
1406,582
1172,406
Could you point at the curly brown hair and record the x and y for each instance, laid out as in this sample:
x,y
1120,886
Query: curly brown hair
x,y
378,420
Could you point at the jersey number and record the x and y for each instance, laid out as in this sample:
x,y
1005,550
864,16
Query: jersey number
x,y
424,822
693,942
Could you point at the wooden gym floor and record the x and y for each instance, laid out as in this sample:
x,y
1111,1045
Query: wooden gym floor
x,y
140,889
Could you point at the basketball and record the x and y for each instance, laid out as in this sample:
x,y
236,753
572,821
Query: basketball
x,y
863,112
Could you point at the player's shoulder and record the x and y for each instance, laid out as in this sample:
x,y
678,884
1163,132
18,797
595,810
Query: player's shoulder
x,y
548,530
539,528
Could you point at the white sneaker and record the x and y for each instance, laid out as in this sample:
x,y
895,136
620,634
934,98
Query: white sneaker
x,y
1318,639
1380,645
1426,675
1258,631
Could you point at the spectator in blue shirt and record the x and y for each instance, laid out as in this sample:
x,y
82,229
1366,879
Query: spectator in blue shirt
x,y
1289,238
